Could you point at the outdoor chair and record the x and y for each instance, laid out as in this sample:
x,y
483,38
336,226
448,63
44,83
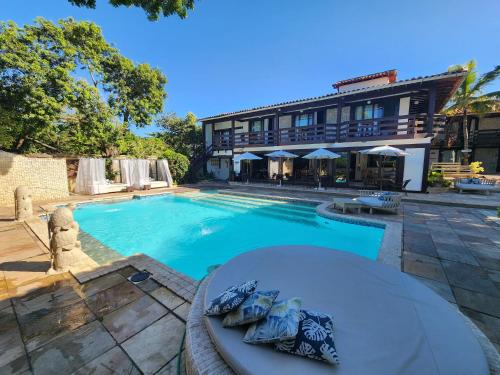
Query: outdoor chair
x,y
380,200
475,184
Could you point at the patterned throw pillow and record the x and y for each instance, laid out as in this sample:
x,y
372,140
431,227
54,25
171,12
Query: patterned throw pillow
x,y
255,307
314,339
281,323
231,298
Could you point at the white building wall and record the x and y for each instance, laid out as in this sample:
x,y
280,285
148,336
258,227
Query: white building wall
x,y
285,122
223,125
404,110
222,172
208,135
364,84
414,168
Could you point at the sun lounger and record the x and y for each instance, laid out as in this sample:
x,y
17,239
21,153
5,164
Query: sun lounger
x,y
380,200
475,184
385,322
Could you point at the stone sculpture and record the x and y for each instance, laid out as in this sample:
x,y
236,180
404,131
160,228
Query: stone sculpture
x,y
65,249
24,206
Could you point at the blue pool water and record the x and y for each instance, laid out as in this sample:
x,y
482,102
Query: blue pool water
x,y
194,231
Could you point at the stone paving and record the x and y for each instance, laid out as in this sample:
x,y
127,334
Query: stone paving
x,y
456,252
99,322
108,325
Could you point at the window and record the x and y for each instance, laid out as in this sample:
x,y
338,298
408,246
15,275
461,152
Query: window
x,y
304,119
215,162
256,125
368,111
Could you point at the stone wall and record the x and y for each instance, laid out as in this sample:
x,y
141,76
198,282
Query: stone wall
x,y
46,177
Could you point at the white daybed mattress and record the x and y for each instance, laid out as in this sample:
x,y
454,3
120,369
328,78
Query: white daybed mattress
x,y
386,322
103,188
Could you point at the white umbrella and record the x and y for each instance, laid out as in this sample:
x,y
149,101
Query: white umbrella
x,y
247,156
281,155
383,151
321,154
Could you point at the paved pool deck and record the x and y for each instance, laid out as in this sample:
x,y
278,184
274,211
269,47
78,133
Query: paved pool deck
x,y
96,321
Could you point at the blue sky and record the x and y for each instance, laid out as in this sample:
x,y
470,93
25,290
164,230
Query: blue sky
x,y
229,55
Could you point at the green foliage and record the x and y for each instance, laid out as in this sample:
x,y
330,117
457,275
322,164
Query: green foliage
x,y
476,167
181,134
135,91
178,164
139,147
470,96
44,106
437,179
153,8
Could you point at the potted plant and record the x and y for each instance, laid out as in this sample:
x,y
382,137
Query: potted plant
x,y
436,183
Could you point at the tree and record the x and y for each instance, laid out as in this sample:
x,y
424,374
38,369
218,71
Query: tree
x,y
153,8
181,134
135,91
469,97
43,105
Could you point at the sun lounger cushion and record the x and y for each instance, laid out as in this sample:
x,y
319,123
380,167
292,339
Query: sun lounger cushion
x,y
281,323
314,338
231,298
371,201
254,308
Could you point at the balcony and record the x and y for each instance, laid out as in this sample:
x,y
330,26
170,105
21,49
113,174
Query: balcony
x,y
394,127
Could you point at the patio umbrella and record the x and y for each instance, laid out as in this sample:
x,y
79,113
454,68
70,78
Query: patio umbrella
x,y
247,156
281,155
321,154
383,151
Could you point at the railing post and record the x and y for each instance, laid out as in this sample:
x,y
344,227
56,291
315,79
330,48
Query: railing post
x,y
277,128
339,119
431,109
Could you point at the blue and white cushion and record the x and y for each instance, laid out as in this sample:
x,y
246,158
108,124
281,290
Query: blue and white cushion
x,y
281,323
254,308
231,298
314,338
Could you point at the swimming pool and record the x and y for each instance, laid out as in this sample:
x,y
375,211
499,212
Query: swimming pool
x,y
191,232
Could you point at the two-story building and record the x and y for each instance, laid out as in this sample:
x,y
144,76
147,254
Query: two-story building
x,y
364,112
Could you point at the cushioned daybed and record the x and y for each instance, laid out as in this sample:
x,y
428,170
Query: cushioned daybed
x,y
385,322
104,187
475,184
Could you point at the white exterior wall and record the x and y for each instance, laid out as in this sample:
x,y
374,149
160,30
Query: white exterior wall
x,y
285,122
221,173
331,116
414,168
404,110
365,84
223,125
208,135
243,125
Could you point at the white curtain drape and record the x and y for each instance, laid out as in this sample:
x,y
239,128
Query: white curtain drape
x,y
135,172
91,172
164,172
126,171
142,170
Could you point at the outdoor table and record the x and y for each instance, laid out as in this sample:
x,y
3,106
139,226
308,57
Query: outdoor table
x,y
347,203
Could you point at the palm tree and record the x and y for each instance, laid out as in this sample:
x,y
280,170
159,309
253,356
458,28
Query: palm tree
x,y
469,98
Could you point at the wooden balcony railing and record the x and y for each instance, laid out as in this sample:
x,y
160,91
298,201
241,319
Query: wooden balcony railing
x,y
394,127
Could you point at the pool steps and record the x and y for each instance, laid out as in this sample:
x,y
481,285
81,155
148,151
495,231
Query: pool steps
x,y
265,207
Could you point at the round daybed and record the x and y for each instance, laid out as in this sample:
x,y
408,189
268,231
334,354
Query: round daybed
x,y
386,322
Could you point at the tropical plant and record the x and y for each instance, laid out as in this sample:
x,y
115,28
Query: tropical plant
x,y
476,167
436,179
470,97
153,8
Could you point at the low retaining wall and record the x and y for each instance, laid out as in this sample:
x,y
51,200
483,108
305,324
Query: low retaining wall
x,y
46,177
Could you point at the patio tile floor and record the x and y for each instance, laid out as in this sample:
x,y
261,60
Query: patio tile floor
x,y
56,325
106,323
466,267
